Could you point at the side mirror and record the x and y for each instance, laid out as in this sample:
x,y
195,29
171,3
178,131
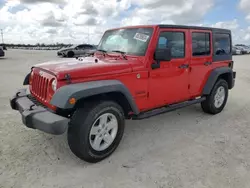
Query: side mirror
x,y
163,54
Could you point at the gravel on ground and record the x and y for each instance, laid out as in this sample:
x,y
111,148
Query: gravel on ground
x,y
182,149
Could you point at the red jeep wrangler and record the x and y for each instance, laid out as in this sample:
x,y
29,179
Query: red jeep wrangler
x,y
137,72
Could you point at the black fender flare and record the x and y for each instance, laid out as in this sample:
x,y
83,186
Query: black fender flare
x,y
26,80
87,89
214,75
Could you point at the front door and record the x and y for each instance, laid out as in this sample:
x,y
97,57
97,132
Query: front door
x,y
169,83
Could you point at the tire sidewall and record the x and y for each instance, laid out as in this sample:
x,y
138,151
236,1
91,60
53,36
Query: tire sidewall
x,y
86,127
220,83
70,54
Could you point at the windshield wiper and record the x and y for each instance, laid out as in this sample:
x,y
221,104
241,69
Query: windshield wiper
x,y
104,52
122,53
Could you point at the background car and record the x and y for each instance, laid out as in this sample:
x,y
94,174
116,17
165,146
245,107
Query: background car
x,y
245,49
4,47
78,50
1,52
236,51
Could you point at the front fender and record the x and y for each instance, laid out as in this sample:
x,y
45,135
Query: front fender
x,y
26,79
83,90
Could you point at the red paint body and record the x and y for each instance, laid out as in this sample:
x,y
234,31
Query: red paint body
x,y
154,88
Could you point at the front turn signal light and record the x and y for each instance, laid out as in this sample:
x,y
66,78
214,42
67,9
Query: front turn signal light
x,y
72,101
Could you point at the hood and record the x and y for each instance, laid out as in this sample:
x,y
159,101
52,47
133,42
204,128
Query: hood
x,y
86,67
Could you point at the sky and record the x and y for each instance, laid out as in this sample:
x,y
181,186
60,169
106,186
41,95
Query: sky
x,y
84,21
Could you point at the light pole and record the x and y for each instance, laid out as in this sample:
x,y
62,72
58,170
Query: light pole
x,y
2,35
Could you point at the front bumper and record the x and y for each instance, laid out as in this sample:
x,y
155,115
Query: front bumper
x,y
61,54
38,117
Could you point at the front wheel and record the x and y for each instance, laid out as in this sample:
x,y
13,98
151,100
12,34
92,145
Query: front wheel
x,y
96,130
216,101
70,54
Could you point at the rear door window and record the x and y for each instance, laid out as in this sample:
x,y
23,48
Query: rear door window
x,y
201,44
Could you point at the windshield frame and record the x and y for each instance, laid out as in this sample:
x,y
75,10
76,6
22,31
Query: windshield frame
x,y
152,29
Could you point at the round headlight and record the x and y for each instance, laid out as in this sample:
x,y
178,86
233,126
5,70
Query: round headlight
x,y
54,84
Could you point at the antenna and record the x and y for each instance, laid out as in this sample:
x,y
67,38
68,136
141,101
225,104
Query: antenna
x,y
88,34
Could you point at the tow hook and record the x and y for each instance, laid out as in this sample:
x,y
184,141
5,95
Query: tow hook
x,y
17,94
31,107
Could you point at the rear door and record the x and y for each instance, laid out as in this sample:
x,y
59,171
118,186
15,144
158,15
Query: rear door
x,y
201,60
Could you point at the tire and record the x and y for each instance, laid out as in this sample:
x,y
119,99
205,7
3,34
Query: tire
x,y
70,54
80,137
210,105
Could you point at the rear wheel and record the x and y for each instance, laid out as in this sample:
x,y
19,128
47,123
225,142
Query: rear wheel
x,y
96,130
216,101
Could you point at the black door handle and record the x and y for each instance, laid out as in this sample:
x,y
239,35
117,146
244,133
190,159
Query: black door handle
x,y
208,63
184,66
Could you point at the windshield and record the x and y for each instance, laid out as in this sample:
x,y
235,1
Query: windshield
x,y
74,46
132,41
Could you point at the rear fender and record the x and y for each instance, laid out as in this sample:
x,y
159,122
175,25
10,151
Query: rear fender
x,y
213,77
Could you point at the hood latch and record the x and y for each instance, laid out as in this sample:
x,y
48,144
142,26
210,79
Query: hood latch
x,y
68,78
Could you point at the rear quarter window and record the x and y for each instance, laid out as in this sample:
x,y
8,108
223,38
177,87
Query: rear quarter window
x,y
222,44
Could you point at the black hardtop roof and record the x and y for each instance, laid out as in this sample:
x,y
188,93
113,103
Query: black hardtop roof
x,y
195,27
